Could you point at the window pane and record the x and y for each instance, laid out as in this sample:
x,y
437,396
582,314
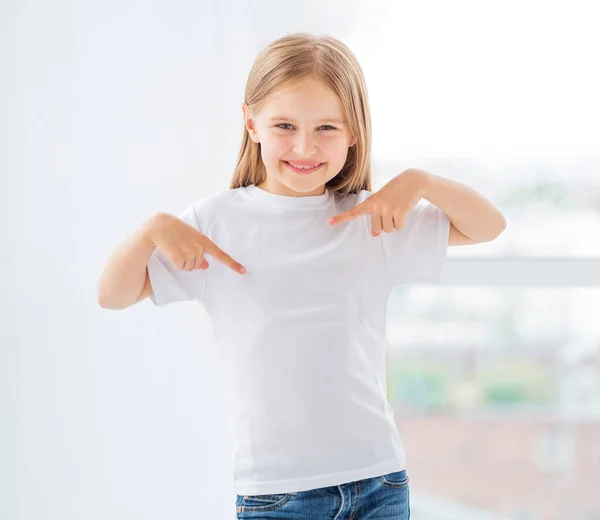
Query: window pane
x,y
496,393
552,206
502,97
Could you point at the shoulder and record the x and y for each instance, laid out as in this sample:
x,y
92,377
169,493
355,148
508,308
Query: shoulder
x,y
206,207
344,203
202,212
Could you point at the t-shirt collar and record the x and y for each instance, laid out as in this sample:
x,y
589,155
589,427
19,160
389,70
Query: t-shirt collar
x,y
287,200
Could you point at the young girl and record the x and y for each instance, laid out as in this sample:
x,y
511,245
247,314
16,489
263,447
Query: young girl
x,y
299,294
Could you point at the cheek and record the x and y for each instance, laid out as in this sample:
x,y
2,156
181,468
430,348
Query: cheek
x,y
274,147
337,149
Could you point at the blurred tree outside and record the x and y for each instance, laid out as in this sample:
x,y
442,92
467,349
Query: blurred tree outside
x,y
428,385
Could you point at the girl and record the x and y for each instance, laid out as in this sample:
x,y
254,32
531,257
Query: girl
x,y
300,250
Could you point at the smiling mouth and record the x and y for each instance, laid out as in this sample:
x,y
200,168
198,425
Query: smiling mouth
x,y
304,169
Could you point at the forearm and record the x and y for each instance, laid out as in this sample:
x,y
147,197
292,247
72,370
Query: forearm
x,y
124,274
470,212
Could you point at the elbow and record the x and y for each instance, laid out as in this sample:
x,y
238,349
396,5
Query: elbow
x,y
111,306
101,296
502,225
105,302
498,228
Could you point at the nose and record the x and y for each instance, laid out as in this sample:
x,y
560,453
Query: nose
x,y
304,144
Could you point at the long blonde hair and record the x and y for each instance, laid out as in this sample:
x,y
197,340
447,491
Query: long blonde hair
x,y
285,63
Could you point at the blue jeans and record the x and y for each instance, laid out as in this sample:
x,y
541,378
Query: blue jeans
x,y
377,498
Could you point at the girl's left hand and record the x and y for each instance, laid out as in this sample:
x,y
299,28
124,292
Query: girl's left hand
x,y
390,206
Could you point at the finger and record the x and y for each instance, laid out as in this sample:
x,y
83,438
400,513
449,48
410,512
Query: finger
x,y
188,263
213,250
388,221
356,212
201,262
399,220
376,223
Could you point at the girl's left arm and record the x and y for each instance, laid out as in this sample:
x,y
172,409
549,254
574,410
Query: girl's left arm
x,y
472,217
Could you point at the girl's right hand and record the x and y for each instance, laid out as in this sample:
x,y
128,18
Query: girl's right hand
x,y
184,245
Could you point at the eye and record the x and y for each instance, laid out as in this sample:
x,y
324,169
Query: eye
x,y
327,127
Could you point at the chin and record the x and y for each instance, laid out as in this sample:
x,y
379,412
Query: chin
x,y
306,185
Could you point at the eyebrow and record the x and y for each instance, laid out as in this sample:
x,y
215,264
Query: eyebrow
x,y
326,120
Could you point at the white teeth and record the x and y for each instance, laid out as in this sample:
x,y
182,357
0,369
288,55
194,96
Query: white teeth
x,y
304,167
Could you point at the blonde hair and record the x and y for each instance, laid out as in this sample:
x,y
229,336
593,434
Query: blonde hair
x,y
287,62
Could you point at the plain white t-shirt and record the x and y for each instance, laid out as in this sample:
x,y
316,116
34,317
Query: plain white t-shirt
x,y
302,333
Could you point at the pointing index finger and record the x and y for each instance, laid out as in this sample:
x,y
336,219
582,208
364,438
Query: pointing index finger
x,y
214,250
348,215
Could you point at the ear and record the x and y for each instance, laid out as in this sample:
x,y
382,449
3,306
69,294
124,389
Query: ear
x,y
250,124
352,142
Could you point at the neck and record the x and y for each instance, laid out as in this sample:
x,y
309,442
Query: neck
x,y
278,188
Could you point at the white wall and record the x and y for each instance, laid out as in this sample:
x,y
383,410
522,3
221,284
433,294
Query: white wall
x,y
120,109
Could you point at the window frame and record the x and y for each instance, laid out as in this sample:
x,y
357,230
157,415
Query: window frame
x,y
521,271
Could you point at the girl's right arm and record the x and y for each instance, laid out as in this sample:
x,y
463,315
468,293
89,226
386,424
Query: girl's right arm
x,y
125,280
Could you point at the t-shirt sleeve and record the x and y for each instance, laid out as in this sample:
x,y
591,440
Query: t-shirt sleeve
x,y
416,253
170,284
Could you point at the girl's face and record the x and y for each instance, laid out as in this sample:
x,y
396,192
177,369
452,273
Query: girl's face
x,y
300,126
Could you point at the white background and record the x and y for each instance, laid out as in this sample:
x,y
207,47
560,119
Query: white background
x,y
115,110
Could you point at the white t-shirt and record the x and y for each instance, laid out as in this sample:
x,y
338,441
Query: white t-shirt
x,y
302,333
